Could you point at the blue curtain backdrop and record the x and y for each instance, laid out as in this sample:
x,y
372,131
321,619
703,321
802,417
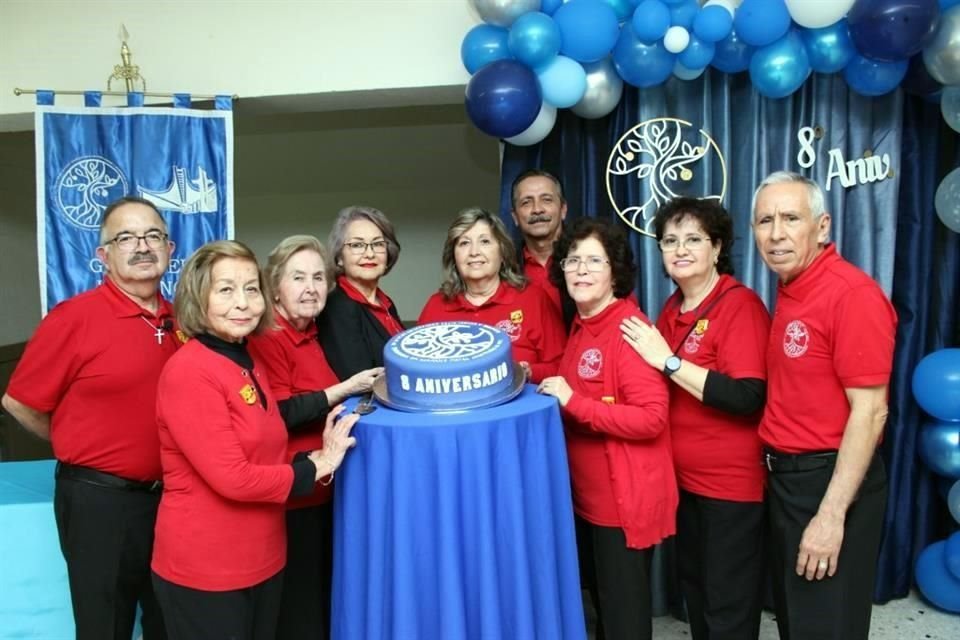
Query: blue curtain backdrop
x,y
888,227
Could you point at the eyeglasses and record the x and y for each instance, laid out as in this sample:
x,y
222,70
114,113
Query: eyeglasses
x,y
594,263
130,241
690,243
360,248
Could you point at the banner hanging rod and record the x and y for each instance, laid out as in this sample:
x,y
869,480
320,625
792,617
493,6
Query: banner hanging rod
x,y
148,94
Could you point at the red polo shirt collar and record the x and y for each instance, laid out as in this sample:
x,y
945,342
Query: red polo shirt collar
x,y
810,277
380,311
124,306
505,294
294,335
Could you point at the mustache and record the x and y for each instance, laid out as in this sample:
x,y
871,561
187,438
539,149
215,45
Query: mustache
x,y
538,217
142,256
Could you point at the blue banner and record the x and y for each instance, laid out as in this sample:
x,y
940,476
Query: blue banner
x,y
179,159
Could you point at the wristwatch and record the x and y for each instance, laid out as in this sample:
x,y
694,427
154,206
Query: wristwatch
x,y
671,365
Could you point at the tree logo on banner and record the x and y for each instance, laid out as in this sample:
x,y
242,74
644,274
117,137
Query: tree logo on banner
x,y
665,153
86,186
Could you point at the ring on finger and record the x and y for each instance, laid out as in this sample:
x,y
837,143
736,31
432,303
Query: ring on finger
x,y
823,564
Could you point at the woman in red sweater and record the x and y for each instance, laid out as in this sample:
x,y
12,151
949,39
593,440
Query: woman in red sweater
x,y
220,544
483,284
615,417
300,276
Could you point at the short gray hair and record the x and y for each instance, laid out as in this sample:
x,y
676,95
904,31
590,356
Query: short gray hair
x,y
815,197
377,217
116,204
509,265
286,249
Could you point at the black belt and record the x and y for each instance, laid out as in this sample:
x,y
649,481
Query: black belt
x,y
778,462
101,479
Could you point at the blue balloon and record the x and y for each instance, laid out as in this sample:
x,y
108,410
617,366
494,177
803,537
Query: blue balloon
x,y
936,583
939,448
651,20
697,55
588,29
779,69
713,23
549,6
683,13
684,73
534,39
953,501
892,30
761,22
732,54
503,98
951,555
482,45
639,63
946,4
829,49
872,78
562,82
623,8
936,384
674,2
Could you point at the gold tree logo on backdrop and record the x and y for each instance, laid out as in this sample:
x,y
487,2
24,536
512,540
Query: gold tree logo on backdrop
x,y
666,154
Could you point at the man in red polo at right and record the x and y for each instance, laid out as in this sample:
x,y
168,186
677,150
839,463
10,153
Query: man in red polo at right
x,y
828,365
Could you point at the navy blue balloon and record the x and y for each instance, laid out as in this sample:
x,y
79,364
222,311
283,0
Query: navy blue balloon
x,y
829,49
534,39
935,581
892,30
713,23
483,44
936,384
939,448
503,98
918,80
779,69
872,78
651,20
588,29
698,53
761,22
683,13
732,54
639,63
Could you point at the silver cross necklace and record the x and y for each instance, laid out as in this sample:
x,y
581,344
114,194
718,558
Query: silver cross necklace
x,y
159,330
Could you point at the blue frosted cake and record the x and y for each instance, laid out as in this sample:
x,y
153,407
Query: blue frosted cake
x,y
448,366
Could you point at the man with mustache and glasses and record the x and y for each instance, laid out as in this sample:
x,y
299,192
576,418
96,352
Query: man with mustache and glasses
x,y
87,382
539,210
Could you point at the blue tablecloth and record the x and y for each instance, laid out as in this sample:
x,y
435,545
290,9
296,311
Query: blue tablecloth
x,y
34,594
457,527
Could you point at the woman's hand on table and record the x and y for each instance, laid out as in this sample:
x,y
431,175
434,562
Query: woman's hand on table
x,y
336,441
557,387
647,341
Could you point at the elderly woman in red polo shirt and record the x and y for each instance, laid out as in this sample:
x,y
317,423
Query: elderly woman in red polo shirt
x,y
483,283
615,416
300,277
710,343
220,545
359,317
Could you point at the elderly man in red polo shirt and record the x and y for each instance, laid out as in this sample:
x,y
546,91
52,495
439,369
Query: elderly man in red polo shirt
x,y
87,382
829,360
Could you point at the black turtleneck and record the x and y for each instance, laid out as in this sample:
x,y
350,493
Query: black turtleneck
x,y
304,471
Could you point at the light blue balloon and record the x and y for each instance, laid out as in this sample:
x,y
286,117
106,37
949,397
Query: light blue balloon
x,y
732,54
761,22
588,29
685,73
534,39
639,63
947,203
939,448
697,55
779,69
829,49
713,23
482,45
953,502
682,14
950,107
873,78
651,20
563,82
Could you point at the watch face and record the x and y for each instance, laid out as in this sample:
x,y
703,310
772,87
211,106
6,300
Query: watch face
x,y
672,364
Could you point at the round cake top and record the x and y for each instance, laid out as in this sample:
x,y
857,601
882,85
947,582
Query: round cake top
x,y
440,342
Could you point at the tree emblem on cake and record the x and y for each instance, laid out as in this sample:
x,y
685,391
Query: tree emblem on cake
x,y
447,341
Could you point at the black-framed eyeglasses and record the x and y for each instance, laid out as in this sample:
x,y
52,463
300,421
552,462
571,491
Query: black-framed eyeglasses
x,y
594,264
130,241
358,248
690,243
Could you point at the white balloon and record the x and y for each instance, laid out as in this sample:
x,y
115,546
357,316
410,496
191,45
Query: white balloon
x,y
729,5
537,131
950,107
815,15
676,39
685,73
947,201
503,12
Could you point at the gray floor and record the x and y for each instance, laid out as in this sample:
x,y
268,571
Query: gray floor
x,y
907,619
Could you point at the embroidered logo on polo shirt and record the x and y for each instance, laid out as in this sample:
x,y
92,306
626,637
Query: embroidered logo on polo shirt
x,y
591,363
511,329
796,339
692,344
182,337
248,394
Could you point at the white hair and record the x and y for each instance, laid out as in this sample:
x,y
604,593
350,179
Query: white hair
x,y
815,197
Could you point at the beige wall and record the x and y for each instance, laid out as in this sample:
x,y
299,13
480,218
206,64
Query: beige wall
x,y
420,165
